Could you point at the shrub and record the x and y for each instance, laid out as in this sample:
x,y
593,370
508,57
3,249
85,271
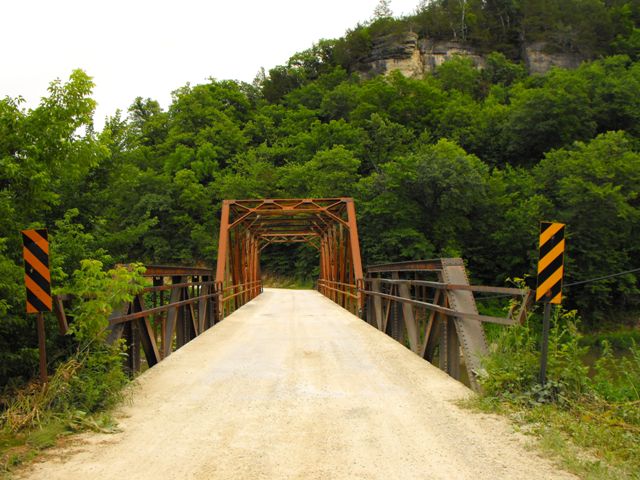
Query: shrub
x,y
513,365
92,378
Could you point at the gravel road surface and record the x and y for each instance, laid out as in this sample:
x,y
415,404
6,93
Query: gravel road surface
x,y
293,386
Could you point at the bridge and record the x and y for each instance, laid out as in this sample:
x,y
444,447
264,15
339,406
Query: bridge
x,y
338,382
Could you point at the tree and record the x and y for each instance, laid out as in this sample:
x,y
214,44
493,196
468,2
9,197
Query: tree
x,y
429,196
593,187
382,10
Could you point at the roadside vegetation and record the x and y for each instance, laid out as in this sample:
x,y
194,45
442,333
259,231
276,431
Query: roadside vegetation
x,y
585,417
86,383
277,281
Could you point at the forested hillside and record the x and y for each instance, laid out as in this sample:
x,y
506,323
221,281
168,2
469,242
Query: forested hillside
x,y
464,162
585,27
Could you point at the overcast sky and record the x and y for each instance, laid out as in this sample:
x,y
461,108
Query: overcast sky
x,y
150,47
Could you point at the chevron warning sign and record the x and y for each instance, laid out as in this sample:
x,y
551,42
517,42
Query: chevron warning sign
x,y
551,263
37,278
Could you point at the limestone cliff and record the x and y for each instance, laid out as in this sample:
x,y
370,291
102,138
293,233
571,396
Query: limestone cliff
x,y
538,60
414,56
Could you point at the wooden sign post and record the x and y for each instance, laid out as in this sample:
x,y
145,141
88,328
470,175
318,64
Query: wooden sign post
x,y
550,275
37,279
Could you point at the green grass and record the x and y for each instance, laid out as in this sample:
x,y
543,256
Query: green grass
x,y
578,438
587,417
22,447
277,281
620,340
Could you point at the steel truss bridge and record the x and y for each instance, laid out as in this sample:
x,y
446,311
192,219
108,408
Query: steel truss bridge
x,y
427,305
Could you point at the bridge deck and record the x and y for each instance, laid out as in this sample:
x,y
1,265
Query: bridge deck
x,y
293,386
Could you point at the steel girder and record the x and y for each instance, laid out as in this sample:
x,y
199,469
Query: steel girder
x,y
328,224
429,306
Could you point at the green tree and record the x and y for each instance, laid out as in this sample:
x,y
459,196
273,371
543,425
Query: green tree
x,y
382,10
593,187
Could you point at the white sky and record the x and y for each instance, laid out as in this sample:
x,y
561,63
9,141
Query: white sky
x,y
150,47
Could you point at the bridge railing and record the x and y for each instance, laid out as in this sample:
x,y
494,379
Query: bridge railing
x,y
178,304
234,296
429,306
347,295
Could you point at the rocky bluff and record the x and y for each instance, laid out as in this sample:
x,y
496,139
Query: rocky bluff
x,y
414,56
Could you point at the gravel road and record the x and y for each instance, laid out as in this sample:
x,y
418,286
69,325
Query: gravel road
x,y
293,386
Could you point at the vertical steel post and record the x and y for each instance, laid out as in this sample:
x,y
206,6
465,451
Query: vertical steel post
x,y
545,342
355,246
42,347
223,242
223,255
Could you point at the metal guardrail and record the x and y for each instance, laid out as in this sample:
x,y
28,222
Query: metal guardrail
x,y
240,294
429,306
347,295
179,304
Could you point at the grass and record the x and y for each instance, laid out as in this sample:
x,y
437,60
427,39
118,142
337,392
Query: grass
x,y
620,340
38,416
576,438
278,281
20,447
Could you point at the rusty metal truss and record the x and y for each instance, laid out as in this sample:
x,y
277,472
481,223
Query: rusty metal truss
x,y
176,305
429,306
247,227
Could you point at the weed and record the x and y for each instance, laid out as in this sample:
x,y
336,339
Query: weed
x,y
590,425
83,386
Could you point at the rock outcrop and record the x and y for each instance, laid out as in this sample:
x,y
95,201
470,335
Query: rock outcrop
x,y
395,52
538,60
436,53
414,56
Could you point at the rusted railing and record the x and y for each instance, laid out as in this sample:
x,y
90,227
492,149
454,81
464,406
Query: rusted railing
x,y
178,304
344,294
429,306
234,296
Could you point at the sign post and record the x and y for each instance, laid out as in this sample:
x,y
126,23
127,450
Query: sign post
x,y
544,351
37,279
549,285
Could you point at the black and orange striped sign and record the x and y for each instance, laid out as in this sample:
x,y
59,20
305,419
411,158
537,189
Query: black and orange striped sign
x,y
37,278
551,263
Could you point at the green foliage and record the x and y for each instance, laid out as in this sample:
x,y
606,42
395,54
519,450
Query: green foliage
x,y
460,74
594,190
500,71
86,383
618,379
382,10
619,341
512,368
91,379
573,411
100,292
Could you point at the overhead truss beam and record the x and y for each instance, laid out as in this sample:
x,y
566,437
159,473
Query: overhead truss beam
x,y
329,225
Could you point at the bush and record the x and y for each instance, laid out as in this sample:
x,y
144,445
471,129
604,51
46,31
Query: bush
x,y
91,380
512,368
572,411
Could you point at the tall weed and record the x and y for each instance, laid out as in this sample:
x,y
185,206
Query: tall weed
x,y
600,413
92,378
511,370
